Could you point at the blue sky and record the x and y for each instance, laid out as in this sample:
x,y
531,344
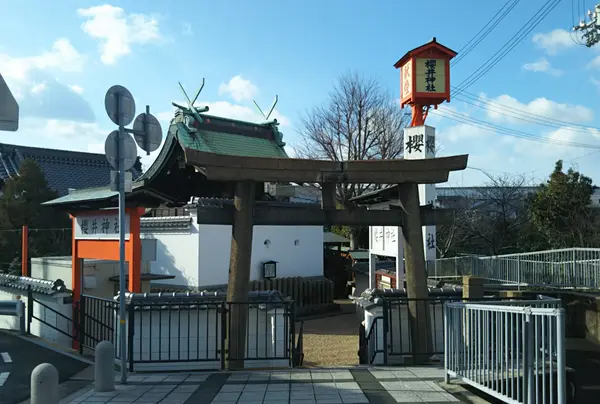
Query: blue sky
x,y
59,59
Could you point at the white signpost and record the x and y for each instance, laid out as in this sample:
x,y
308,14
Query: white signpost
x,y
9,109
386,241
121,153
419,143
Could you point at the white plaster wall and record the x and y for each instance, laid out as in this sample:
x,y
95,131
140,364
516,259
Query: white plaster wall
x,y
177,255
10,322
52,268
55,320
96,274
47,315
298,251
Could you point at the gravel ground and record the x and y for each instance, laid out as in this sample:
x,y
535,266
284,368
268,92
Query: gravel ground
x,y
331,341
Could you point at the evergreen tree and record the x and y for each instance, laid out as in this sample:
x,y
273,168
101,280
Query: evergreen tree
x,y
561,209
20,205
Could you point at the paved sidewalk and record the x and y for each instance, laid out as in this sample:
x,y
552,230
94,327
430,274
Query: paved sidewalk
x,y
378,385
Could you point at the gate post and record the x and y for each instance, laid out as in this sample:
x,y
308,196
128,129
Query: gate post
x,y
81,324
385,312
29,308
529,355
561,365
224,312
130,333
292,336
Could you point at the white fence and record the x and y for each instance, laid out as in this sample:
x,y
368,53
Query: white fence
x,y
565,268
513,353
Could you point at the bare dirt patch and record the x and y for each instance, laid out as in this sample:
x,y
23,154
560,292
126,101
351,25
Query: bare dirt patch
x,y
331,341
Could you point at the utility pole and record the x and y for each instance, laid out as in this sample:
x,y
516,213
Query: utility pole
x,y
590,29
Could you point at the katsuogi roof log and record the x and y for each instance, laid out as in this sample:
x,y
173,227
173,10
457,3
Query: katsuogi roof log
x,y
261,169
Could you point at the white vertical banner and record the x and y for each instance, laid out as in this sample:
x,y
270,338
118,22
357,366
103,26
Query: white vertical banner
x,y
419,143
386,241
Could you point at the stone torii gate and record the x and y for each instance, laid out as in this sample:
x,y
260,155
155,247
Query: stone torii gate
x,y
248,172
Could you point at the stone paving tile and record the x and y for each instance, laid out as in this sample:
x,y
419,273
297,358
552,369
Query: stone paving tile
x,y
377,385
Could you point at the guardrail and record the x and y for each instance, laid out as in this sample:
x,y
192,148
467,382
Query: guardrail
x,y
15,308
513,353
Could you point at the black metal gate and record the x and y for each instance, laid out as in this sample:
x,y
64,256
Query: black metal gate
x,y
185,330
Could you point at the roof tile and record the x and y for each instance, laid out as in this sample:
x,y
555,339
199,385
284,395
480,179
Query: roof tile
x,y
63,169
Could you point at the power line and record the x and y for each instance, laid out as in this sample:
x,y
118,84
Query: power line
x,y
533,22
455,116
516,113
462,53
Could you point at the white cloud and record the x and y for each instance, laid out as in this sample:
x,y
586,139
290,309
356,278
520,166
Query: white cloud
x,y
117,31
538,153
32,81
57,134
77,89
544,66
63,57
38,88
539,106
462,132
554,41
68,130
239,89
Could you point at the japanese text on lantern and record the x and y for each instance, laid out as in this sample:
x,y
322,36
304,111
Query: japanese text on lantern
x,y
407,80
100,227
431,75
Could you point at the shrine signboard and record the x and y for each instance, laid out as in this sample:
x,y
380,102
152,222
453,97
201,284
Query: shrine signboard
x,y
101,226
384,240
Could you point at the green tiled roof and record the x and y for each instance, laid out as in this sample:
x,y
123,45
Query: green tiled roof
x,y
223,136
228,142
86,194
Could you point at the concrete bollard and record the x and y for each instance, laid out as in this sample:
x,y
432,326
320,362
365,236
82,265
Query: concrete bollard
x,y
44,384
104,367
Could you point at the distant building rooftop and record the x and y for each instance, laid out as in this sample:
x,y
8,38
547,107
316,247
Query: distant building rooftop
x,y
63,169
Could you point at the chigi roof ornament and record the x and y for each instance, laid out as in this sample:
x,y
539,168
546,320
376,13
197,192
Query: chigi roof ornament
x,y
278,136
191,111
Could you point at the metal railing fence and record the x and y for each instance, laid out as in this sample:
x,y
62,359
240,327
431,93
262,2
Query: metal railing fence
x,y
564,268
191,332
510,351
376,343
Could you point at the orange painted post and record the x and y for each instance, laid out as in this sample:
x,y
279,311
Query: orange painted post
x,y
76,266
76,269
134,252
25,251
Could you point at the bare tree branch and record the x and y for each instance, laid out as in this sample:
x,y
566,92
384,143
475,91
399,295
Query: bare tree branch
x,y
359,121
488,219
